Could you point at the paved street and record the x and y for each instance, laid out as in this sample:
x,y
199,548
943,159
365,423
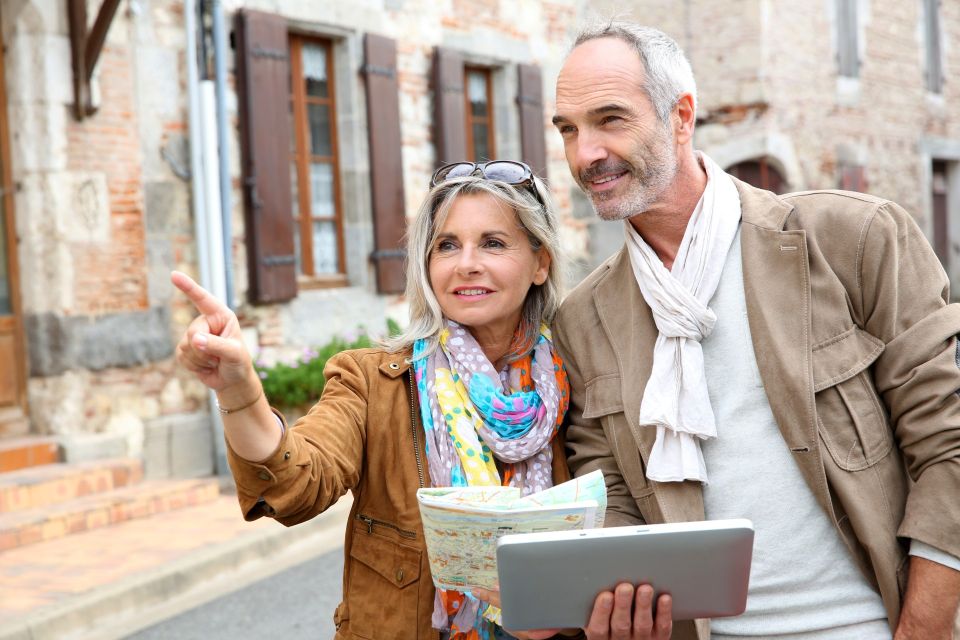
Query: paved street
x,y
296,604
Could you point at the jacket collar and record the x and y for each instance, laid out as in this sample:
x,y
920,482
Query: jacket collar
x,y
776,285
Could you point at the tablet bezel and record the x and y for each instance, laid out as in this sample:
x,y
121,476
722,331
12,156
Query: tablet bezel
x,y
550,579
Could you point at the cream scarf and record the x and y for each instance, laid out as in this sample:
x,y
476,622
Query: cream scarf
x,y
675,400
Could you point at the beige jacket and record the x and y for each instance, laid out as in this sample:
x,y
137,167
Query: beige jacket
x,y
856,348
364,436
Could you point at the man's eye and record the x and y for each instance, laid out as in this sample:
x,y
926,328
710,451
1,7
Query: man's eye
x,y
610,119
566,129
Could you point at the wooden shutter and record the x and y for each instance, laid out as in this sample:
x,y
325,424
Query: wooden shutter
x,y
263,76
533,145
853,178
449,118
386,163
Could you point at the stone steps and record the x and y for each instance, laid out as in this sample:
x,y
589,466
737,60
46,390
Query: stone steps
x,y
23,452
49,484
40,524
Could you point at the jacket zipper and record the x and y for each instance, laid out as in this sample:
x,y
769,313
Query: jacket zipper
x,y
370,522
413,428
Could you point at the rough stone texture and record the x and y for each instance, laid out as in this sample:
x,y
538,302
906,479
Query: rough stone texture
x,y
59,343
103,206
92,446
178,446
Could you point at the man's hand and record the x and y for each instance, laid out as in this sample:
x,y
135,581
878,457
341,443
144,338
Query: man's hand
x,y
624,614
627,614
930,605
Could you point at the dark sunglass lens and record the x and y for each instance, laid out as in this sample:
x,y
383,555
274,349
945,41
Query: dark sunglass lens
x,y
509,172
456,171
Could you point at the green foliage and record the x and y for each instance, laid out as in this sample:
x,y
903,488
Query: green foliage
x,y
393,327
296,382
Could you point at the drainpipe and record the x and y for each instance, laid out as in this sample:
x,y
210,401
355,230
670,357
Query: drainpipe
x,y
226,208
200,185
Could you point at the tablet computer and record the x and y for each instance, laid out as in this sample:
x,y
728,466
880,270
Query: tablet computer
x,y
551,579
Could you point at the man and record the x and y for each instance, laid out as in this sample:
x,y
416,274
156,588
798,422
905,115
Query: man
x,y
788,359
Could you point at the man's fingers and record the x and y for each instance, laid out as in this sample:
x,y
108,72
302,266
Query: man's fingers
x,y
663,625
201,298
643,612
598,628
621,619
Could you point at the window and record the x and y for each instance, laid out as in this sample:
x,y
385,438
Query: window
x,y
941,238
848,54
760,174
315,171
931,27
853,178
479,112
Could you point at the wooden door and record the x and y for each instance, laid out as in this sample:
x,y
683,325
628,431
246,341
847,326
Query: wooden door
x,y
941,237
13,396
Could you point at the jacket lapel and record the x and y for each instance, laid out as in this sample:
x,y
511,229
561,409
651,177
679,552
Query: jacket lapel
x,y
776,283
632,332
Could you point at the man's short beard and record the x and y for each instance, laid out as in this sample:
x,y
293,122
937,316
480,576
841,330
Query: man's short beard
x,y
650,181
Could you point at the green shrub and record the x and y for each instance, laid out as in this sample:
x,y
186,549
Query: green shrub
x,y
296,382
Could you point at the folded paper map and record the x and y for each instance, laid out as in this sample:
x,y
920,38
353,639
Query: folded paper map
x,y
461,525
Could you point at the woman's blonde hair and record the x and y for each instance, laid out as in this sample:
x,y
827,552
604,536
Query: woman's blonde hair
x,y
540,223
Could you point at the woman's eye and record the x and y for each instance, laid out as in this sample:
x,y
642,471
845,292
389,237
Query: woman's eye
x,y
493,243
445,245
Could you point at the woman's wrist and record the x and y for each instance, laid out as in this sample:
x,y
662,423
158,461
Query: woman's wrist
x,y
240,396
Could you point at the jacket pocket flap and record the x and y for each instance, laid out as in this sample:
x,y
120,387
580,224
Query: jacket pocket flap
x,y
844,356
397,564
603,396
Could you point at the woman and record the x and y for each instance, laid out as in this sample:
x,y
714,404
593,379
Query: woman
x,y
471,394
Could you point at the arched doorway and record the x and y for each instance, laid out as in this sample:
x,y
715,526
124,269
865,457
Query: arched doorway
x,y
759,173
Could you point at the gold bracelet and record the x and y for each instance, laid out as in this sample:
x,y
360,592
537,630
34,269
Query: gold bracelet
x,y
246,406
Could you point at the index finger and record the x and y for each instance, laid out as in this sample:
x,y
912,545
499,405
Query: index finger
x,y
202,299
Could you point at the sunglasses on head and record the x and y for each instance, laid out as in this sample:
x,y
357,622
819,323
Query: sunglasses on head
x,y
514,173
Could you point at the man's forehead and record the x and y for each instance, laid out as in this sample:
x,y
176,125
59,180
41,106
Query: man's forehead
x,y
599,72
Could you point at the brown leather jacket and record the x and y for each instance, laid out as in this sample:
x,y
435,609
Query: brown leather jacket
x,y
364,436
856,346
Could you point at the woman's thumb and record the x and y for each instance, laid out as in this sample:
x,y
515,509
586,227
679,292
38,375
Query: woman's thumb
x,y
223,348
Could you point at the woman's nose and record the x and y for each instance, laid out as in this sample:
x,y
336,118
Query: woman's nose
x,y
468,262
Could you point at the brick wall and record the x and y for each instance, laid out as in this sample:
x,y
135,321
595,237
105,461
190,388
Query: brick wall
x,y
103,216
110,273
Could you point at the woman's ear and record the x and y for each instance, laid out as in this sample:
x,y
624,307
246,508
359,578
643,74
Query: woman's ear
x,y
543,267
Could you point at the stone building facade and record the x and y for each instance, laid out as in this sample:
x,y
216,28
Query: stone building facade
x,y
855,94
98,210
101,209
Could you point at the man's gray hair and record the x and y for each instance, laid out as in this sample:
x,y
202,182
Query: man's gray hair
x,y
667,70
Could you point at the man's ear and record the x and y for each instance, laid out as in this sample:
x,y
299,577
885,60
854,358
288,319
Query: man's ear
x,y
684,118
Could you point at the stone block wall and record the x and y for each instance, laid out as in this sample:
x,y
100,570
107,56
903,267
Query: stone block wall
x,y
103,206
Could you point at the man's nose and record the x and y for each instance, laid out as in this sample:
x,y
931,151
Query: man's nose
x,y
590,149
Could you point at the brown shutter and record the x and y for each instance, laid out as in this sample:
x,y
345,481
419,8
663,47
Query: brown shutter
x,y
533,145
263,76
386,163
853,178
449,119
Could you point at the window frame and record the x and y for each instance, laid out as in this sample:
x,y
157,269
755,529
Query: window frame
x,y
301,158
848,38
470,119
933,47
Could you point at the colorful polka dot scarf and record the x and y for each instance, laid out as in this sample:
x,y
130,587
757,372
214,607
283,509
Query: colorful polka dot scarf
x,y
473,415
